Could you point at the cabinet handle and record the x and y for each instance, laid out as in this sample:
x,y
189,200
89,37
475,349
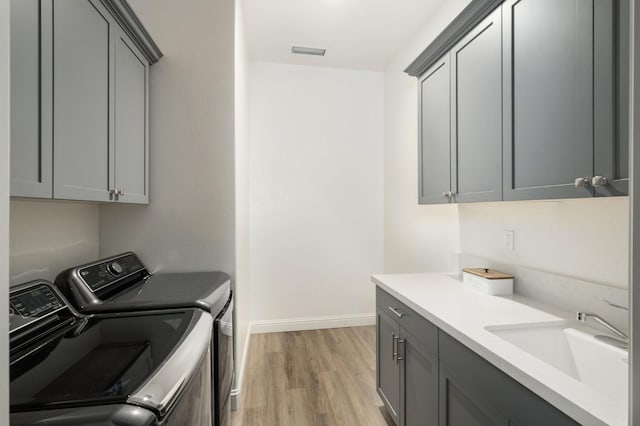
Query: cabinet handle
x,y
581,182
447,194
599,181
393,346
112,193
120,193
399,356
397,312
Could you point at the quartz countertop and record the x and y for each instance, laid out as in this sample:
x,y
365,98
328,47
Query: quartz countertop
x,y
464,314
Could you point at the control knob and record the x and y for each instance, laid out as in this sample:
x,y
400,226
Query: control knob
x,y
115,268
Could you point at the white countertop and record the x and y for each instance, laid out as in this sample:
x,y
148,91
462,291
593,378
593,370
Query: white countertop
x,y
464,314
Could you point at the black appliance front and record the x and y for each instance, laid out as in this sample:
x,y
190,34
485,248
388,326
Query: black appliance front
x,y
122,283
71,370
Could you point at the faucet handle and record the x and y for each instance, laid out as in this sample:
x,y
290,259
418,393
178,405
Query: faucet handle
x,y
615,305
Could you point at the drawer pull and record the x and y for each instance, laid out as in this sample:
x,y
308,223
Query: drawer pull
x,y
397,312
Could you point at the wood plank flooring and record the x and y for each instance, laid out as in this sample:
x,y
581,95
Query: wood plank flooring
x,y
317,377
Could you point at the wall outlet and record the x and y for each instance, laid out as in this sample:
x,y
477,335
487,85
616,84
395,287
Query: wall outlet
x,y
509,239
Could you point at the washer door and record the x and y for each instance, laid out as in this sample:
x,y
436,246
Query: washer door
x,y
102,362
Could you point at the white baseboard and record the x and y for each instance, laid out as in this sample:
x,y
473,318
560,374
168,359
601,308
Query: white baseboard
x,y
240,371
312,323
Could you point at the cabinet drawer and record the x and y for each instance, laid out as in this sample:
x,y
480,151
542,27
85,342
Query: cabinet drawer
x,y
496,389
413,323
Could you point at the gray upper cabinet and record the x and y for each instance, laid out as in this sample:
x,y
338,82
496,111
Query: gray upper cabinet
x,y
460,150
611,96
434,150
548,96
31,147
131,109
83,131
538,103
80,112
476,105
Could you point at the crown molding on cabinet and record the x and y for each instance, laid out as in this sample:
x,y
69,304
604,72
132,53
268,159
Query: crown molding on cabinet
x,y
470,16
130,23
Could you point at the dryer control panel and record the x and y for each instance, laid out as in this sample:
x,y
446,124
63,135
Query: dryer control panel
x,y
32,302
107,272
89,286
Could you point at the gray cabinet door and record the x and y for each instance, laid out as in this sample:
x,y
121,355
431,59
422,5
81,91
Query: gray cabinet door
x,y
418,382
611,34
31,147
83,131
388,368
434,154
131,112
548,98
462,405
474,392
476,113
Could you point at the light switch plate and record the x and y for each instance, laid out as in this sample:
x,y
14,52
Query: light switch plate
x,y
509,239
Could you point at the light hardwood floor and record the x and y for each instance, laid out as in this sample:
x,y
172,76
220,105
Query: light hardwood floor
x,y
318,377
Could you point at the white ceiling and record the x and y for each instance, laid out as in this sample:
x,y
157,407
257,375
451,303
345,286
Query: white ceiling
x,y
361,34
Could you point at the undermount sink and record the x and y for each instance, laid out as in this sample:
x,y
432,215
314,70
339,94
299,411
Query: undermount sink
x,y
572,349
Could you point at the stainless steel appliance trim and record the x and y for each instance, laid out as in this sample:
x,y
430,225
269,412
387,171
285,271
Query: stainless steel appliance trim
x,y
161,390
217,293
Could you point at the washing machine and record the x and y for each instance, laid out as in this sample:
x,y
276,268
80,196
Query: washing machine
x,y
122,283
128,369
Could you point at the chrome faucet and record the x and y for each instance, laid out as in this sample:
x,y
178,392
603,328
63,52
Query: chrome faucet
x,y
622,341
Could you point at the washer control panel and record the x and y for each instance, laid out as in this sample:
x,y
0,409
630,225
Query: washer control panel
x,y
108,272
30,304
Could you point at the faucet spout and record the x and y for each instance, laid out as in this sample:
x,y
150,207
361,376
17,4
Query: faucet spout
x,y
583,316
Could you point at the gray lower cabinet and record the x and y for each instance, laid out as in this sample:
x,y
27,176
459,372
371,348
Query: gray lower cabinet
x,y
387,368
407,363
80,91
474,392
31,146
463,405
418,381
426,377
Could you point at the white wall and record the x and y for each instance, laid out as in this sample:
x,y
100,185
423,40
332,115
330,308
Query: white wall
x,y
4,210
47,237
242,295
189,223
416,238
586,239
316,192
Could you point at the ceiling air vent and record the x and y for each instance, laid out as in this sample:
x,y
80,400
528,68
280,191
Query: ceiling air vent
x,y
301,50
